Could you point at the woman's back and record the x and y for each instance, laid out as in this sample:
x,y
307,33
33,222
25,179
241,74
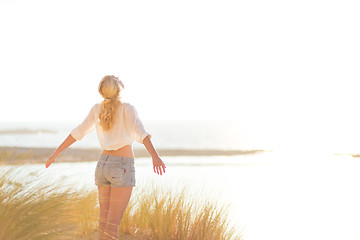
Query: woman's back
x,y
126,127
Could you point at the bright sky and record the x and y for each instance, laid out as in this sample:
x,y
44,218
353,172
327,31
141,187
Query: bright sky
x,y
288,69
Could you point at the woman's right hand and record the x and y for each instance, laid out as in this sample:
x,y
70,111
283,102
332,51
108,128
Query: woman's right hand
x,y
50,160
158,165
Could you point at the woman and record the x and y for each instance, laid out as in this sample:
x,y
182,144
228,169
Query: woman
x,y
117,126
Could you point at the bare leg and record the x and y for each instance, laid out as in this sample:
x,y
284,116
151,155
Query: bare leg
x,y
119,199
104,202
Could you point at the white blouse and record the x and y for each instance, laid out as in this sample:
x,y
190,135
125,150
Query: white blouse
x,y
125,130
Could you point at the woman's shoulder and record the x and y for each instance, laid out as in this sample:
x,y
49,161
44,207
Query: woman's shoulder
x,y
129,108
127,105
96,106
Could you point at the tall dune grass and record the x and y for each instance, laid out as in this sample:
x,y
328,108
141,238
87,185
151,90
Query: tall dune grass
x,y
40,212
155,213
37,212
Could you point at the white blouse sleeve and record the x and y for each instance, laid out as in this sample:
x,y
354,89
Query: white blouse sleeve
x,y
135,123
85,127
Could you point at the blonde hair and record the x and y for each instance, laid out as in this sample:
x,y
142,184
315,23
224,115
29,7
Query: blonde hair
x,y
110,88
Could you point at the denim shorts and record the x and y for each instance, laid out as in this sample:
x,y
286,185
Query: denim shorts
x,y
116,171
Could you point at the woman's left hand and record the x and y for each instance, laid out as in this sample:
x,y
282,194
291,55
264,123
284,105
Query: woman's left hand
x,y
158,165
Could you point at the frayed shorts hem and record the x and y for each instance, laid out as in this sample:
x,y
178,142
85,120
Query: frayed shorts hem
x,y
112,185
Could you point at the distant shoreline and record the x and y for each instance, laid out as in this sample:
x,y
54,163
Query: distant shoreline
x,y
25,131
355,155
40,155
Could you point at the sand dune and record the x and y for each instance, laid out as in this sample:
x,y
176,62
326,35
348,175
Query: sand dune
x,y
40,155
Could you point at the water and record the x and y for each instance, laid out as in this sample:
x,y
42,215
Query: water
x,y
228,134
272,195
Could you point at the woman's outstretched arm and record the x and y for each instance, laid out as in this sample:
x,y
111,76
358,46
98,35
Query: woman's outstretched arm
x,y
158,164
65,144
